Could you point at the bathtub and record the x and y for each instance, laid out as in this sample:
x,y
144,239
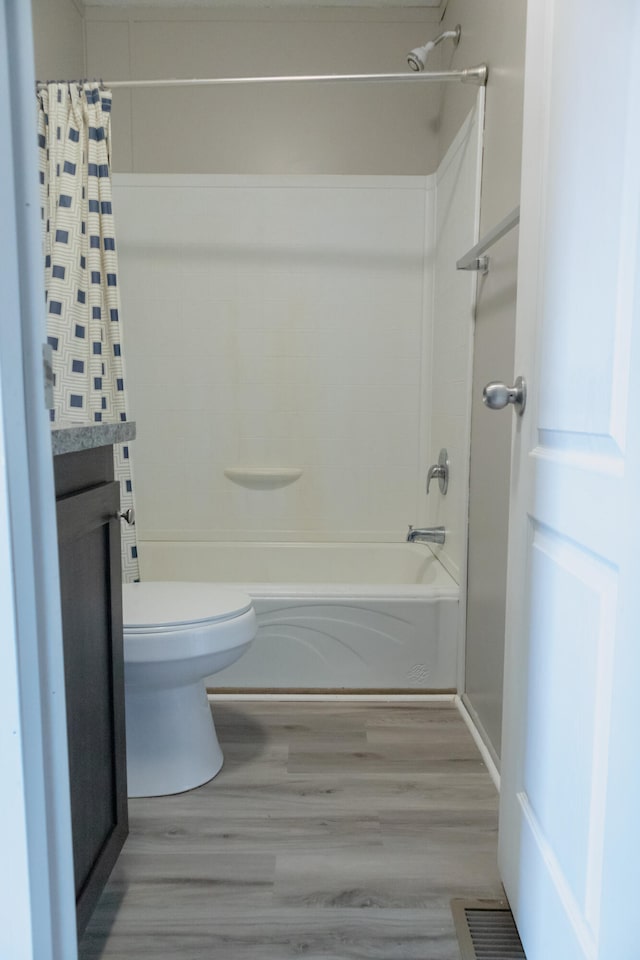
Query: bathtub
x,y
332,616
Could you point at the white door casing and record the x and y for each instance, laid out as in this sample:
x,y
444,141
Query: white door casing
x,y
569,766
37,902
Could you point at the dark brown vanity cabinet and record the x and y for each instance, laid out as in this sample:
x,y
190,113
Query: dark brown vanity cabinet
x,y
88,500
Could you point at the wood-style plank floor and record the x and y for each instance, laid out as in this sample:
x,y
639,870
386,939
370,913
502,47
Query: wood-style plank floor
x,y
334,831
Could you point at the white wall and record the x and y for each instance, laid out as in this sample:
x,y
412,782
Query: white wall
x,y
489,493
330,129
492,31
276,321
58,39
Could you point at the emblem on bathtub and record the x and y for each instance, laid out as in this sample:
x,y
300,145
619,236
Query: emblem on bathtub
x,y
418,675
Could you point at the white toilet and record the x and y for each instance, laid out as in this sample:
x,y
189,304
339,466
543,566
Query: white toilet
x,y
175,635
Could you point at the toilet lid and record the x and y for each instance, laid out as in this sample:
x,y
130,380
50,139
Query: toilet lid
x,y
174,603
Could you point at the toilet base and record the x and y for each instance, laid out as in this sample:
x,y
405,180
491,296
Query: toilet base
x,y
172,744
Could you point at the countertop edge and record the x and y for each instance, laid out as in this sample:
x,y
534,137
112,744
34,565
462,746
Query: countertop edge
x,y
80,436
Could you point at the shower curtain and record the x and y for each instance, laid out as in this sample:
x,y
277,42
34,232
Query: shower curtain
x,y
82,297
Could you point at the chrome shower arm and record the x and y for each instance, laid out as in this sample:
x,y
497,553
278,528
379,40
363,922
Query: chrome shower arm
x,y
449,35
417,58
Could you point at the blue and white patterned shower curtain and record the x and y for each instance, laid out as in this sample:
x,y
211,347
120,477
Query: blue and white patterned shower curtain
x,y
81,270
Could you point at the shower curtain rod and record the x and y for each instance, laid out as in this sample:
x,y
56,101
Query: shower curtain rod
x,y
477,75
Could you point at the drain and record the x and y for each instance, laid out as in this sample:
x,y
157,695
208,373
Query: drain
x,y
486,930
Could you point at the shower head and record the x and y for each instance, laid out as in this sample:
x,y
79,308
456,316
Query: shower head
x,y
417,58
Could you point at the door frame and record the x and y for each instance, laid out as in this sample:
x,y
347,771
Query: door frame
x,y
37,878
37,906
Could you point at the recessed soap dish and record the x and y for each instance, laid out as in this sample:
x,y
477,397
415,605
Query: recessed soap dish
x,y
263,478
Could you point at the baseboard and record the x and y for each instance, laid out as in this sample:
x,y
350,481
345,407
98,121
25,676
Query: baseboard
x,y
331,695
347,691
485,752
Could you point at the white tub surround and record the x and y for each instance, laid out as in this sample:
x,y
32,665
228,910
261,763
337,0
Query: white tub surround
x,y
457,211
276,323
299,351
330,616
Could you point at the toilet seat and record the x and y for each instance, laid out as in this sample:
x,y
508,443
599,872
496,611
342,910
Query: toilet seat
x,y
176,620
169,606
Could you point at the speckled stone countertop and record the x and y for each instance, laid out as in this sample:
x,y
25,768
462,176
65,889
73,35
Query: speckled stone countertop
x,y
79,436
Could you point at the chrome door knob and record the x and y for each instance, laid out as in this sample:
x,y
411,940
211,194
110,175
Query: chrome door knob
x,y
497,395
129,516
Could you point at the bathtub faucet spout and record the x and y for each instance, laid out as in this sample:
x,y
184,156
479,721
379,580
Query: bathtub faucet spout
x,y
426,534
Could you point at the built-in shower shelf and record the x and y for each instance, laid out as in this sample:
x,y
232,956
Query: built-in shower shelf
x,y
263,478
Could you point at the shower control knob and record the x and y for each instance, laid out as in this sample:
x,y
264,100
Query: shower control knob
x,y
440,472
129,516
497,395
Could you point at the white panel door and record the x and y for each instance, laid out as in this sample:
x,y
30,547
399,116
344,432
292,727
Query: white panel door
x,y
568,827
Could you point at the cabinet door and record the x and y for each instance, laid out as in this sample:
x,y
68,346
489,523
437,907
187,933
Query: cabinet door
x,y
91,593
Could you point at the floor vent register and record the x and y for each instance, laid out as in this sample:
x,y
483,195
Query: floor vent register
x,y
486,930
